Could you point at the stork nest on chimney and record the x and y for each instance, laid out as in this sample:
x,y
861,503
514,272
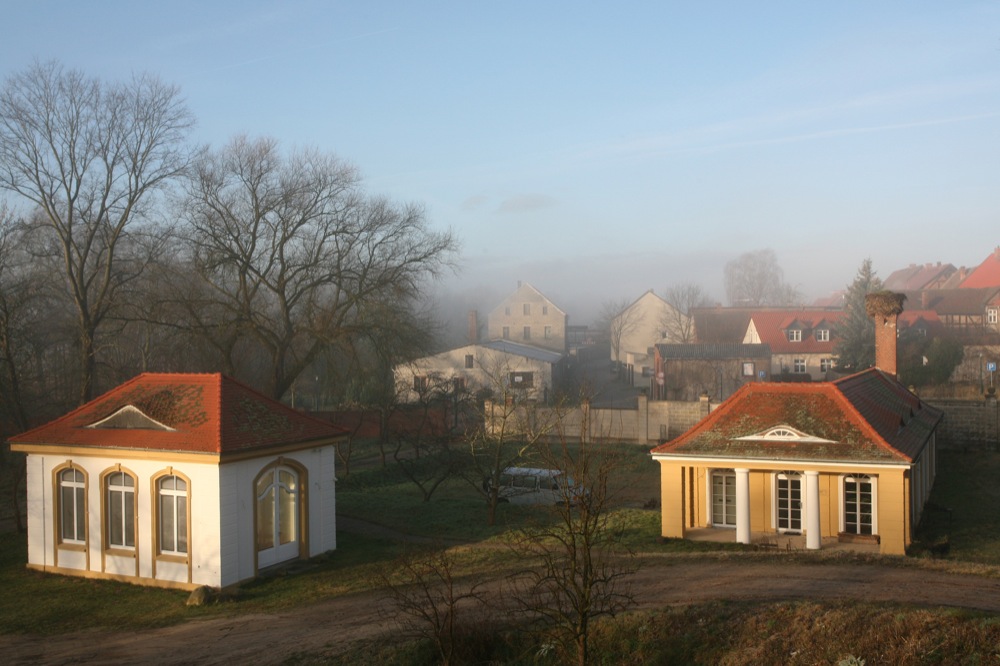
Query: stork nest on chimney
x,y
884,303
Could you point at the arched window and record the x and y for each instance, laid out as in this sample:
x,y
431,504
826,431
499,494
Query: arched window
x,y
172,515
71,498
279,509
119,510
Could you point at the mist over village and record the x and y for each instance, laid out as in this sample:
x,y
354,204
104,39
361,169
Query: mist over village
x,y
387,332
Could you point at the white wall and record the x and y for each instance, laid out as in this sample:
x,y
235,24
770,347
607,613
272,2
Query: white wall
x,y
222,530
204,493
490,371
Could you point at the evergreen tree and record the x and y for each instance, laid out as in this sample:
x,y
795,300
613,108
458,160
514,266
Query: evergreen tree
x,y
855,346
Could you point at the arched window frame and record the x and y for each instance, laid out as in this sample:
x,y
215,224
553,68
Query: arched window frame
x,y
303,502
169,549
109,502
77,537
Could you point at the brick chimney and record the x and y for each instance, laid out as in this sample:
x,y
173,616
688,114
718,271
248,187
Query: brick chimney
x,y
473,326
884,307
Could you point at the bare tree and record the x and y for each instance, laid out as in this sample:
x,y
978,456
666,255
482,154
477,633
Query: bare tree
x,y
580,567
430,601
427,450
620,320
682,298
755,278
505,430
91,157
292,251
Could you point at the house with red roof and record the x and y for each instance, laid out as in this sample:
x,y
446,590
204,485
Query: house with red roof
x,y
179,480
919,276
849,460
986,274
801,341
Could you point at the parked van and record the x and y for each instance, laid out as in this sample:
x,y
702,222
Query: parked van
x,y
531,485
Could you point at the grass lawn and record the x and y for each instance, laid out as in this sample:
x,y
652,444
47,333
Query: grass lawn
x,y
40,603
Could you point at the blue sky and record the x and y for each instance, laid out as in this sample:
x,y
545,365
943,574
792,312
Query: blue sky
x,y
600,150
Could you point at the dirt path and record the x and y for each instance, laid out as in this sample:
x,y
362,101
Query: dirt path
x,y
330,627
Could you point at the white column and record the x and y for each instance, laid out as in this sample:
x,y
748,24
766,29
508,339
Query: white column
x,y
742,505
813,533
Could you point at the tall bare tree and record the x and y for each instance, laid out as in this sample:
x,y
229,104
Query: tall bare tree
x,y
620,320
90,156
755,278
292,251
682,298
580,567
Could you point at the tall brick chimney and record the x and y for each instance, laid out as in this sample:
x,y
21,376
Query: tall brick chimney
x,y
473,326
884,307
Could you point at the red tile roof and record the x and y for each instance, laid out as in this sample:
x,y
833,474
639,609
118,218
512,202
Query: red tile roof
x,y
915,277
865,417
772,326
202,413
987,274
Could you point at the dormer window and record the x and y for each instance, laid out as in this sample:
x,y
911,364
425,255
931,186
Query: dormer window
x,y
783,433
130,417
794,335
822,335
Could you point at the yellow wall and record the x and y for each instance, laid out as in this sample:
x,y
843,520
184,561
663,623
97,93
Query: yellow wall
x,y
684,492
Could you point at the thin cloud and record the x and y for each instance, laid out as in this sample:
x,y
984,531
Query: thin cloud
x,y
474,202
523,203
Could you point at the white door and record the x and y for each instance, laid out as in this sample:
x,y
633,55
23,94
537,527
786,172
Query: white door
x,y
277,516
789,502
724,498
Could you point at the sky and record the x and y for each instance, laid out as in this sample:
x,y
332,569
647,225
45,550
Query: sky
x,y
598,150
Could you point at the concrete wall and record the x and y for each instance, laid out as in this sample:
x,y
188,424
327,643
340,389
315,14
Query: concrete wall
x,y
650,423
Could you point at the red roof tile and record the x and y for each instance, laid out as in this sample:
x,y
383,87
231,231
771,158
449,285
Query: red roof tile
x,y
202,413
987,274
772,327
866,417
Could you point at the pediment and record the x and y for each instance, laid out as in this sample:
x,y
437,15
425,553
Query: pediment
x,y
783,433
129,417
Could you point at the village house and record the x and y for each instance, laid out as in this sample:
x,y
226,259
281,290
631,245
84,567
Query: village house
x,y
179,480
850,460
529,317
647,321
802,341
684,372
495,365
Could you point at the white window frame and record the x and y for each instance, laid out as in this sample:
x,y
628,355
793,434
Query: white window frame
x,y
789,475
179,511
825,364
799,366
794,335
78,511
822,335
842,506
122,496
992,316
710,495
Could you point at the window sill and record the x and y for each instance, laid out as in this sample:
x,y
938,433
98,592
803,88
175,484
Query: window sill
x,y
848,537
78,547
165,557
120,552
